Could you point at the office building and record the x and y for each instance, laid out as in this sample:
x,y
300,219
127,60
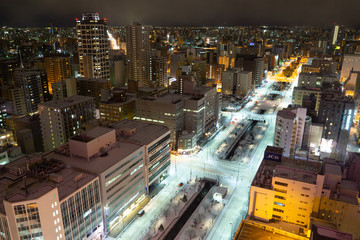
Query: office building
x,y
253,64
286,190
93,46
15,96
196,112
7,70
138,53
339,205
237,82
91,87
52,202
289,130
212,110
336,112
310,69
63,119
214,71
64,89
57,69
159,71
326,66
115,105
156,140
35,86
316,80
351,62
337,34
167,110
120,167
175,59
28,133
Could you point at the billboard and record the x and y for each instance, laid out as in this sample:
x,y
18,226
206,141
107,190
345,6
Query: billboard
x,y
272,156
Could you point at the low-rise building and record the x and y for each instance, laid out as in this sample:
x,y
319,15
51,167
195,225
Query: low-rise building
x,y
63,118
156,140
45,199
115,105
285,189
120,167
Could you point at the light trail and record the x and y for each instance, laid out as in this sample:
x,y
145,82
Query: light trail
x,y
113,42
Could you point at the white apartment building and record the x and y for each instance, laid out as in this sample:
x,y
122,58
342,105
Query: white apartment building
x,y
289,129
61,119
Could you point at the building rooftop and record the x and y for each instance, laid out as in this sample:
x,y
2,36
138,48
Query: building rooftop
x,y
286,114
294,169
170,98
336,97
318,74
96,132
66,102
295,174
118,103
258,231
324,233
332,169
93,79
99,164
27,179
145,133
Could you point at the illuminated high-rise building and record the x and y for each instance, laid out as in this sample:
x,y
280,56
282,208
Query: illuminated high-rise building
x,y
57,69
337,34
159,71
336,112
93,46
63,119
34,83
138,53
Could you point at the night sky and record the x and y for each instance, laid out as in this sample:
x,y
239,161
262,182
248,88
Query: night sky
x,y
20,13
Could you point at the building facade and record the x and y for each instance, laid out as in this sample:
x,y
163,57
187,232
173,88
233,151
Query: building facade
x,y
289,129
57,69
62,119
138,53
93,46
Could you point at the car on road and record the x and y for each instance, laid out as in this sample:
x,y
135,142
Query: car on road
x,y
141,212
181,184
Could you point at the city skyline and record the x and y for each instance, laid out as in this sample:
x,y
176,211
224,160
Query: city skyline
x,y
213,13
138,131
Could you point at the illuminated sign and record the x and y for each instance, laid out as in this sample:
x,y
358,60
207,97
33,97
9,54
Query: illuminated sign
x,y
326,145
272,156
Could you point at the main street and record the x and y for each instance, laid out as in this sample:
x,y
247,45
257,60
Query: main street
x,y
236,175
